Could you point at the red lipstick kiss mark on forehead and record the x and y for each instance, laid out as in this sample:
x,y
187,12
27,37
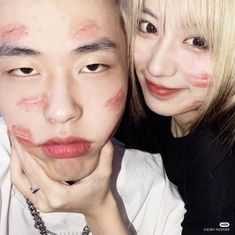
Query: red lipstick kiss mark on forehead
x,y
200,80
84,30
13,33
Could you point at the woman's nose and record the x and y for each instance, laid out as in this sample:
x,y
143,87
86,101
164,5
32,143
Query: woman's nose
x,y
161,62
61,106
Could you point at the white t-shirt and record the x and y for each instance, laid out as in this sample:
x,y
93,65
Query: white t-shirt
x,y
150,203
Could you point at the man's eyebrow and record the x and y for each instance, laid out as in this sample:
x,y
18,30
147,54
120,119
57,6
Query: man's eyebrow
x,y
100,44
147,11
8,50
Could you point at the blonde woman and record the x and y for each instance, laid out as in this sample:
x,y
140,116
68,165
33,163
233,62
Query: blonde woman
x,y
185,63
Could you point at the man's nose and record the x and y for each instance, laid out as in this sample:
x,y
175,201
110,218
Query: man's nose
x,y
161,62
62,105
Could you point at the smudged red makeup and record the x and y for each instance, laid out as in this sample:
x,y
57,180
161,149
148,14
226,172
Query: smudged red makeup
x,y
28,103
13,33
23,135
199,80
116,99
81,31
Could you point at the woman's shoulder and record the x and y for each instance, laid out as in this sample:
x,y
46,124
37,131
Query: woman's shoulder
x,y
209,148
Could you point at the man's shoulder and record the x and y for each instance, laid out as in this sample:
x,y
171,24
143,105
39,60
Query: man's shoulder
x,y
4,139
147,193
4,148
139,171
142,164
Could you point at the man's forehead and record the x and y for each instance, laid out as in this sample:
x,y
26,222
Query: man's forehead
x,y
13,32
83,29
78,26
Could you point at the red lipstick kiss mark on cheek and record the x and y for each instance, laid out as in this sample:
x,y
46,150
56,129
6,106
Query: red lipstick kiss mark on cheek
x,y
117,99
200,80
23,135
28,103
13,33
81,31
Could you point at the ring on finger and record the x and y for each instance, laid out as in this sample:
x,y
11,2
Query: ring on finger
x,y
34,190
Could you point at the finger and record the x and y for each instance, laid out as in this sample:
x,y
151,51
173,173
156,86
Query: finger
x,y
106,157
35,173
18,178
46,199
22,156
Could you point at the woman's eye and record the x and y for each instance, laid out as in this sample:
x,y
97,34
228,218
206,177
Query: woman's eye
x,y
94,68
147,27
23,72
198,42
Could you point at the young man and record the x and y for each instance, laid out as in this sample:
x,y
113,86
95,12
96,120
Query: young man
x,y
63,85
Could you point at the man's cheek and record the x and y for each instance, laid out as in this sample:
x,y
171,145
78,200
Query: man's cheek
x,y
31,103
116,100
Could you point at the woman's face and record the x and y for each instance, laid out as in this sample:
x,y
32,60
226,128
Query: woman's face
x,y
63,80
173,65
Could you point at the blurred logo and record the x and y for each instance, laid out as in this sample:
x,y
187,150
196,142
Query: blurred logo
x,y
224,224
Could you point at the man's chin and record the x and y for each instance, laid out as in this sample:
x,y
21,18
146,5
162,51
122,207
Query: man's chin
x,y
68,179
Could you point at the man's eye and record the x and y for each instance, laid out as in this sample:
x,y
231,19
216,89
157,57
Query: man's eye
x,y
198,42
147,27
94,68
23,72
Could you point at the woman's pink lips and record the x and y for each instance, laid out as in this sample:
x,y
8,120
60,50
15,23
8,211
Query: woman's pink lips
x,y
161,91
63,148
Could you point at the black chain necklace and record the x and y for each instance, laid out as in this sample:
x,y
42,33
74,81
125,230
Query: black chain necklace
x,y
39,223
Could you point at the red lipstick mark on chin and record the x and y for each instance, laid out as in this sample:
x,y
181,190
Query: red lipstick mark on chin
x,y
13,33
116,99
64,148
23,135
200,80
161,91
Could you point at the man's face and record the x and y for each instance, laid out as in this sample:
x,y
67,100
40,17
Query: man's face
x,y
63,80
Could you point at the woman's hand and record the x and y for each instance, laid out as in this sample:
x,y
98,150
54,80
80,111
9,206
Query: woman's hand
x,y
90,196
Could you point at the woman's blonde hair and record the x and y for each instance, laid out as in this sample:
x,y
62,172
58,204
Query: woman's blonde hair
x,y
130,14
214,20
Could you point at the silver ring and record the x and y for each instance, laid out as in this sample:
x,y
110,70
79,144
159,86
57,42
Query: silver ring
x,y
34,190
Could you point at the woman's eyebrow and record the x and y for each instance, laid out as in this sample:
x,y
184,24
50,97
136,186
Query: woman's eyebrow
x,y
147,11
9,50
99,44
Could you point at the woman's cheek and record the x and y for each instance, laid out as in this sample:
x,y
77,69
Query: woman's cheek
x,y
201,80
140,53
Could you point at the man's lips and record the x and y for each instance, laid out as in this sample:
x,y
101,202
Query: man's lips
x,y
161,91
63,148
